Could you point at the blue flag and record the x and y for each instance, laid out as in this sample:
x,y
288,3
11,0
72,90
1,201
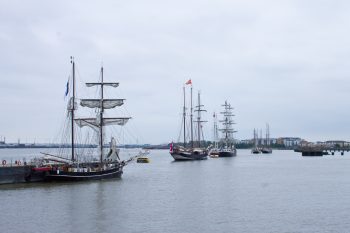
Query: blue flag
x,y
67,88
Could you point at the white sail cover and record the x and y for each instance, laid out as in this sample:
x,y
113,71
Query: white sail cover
x,y
105,84
96,103
94,122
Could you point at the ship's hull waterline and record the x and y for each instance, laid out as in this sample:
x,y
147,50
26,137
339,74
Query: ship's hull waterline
x,y
227,153
83,176
186,156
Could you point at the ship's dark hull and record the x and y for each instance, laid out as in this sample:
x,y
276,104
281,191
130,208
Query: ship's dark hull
x,y
227,153
266,151
83,176
256,151
185,156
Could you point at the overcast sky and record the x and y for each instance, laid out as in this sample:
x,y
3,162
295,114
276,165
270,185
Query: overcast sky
x,y
282,62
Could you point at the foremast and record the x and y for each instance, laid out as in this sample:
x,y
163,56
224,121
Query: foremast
x,y
72,107
101,104
227,122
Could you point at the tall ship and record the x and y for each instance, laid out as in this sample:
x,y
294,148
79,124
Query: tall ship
x,y
81,165
214,148
191,150
226,146
256,149
80,162
266,149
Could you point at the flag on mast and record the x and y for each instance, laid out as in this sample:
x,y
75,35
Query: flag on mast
x,y
171,147
189,82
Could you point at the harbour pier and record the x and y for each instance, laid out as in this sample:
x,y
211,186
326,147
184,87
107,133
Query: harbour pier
x,y
323,149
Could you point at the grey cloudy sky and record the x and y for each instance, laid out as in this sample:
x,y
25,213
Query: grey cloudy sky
x,y
282,62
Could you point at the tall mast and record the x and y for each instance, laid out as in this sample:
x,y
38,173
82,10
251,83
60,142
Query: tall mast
x,y
184,117
191,120
267,136
97,123
255,138
101,118
226,122
73,107
215,130
199,121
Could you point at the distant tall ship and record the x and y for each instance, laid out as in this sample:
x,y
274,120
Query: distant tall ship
x,y
191,150
214,148
227,147
266,149
256,149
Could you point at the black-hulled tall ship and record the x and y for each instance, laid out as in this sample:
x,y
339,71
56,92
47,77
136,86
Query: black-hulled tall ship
x,y
192,150
226,145
78,167
266,149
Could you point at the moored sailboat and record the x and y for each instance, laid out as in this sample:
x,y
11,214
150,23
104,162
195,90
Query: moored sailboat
x,y
227,148
266,149
256,149
109,165
190,151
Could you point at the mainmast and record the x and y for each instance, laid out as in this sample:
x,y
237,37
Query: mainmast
x,y
267,134
199,121
184,116
191,120
72,105
101,119
101,103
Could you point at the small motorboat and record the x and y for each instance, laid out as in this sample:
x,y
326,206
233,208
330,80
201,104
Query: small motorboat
x,y
143,160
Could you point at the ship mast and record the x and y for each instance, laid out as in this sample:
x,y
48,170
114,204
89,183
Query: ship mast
x,y
191,120
215,130
72,106
199,121
184,116
101,119
227,122
267,143
101,104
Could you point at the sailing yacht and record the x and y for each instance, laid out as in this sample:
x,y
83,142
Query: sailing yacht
x,y
191,151
227,148
109,165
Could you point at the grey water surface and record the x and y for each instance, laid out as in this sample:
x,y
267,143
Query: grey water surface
x,y
281,192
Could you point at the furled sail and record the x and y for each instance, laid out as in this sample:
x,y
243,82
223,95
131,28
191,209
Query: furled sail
x,y
96,103
105,84
94,122
70,104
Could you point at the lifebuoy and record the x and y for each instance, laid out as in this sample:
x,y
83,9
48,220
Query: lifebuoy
x,y
4,162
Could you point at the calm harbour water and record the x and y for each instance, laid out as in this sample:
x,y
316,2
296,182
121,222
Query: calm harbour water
x,y
282,192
